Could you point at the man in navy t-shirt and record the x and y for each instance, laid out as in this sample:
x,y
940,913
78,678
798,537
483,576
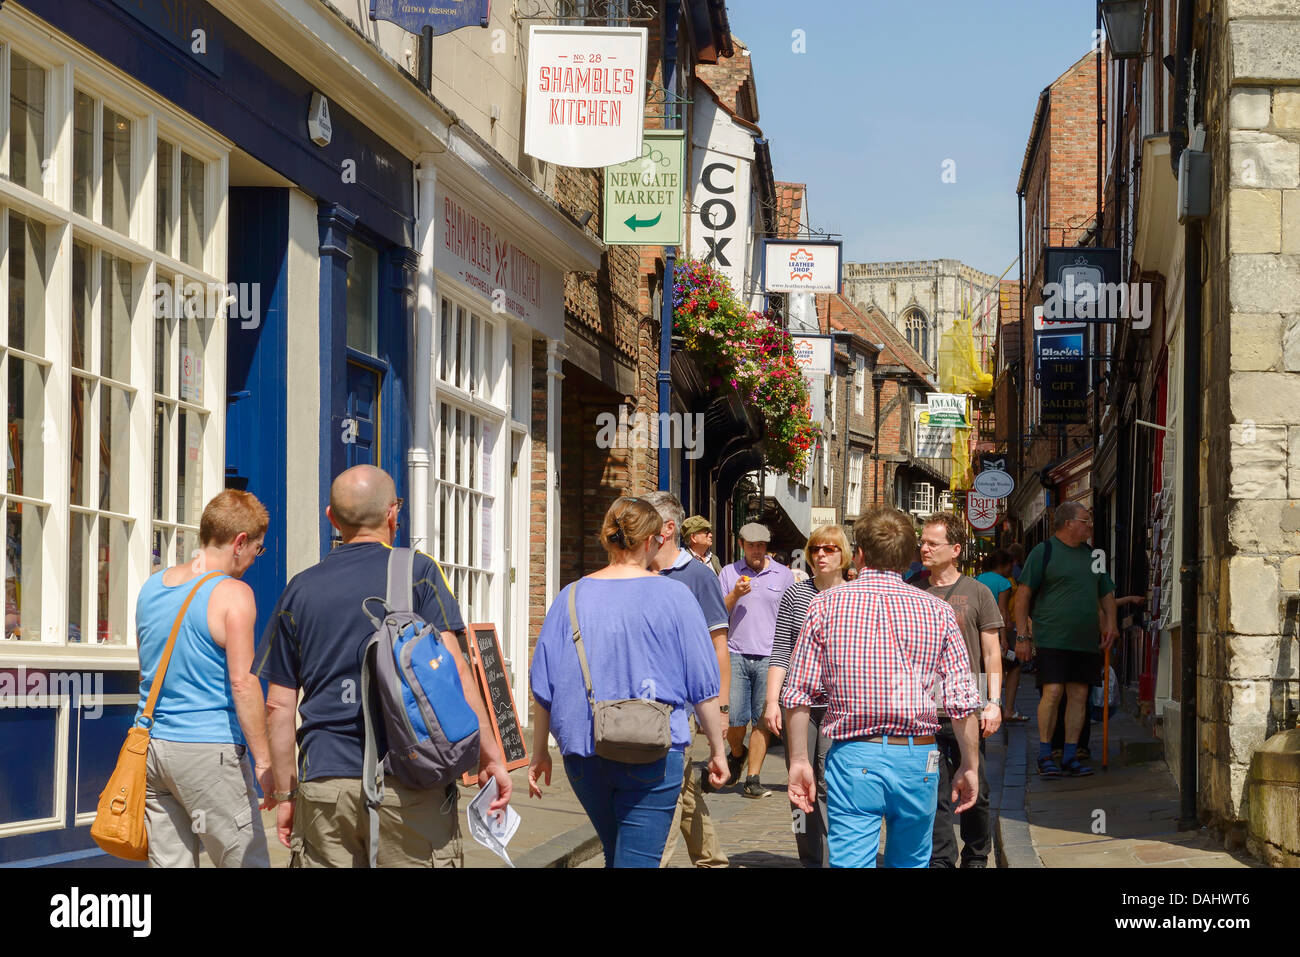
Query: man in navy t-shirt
x,y
677,563
314,642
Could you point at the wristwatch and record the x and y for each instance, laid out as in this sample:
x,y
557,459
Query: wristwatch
x,y
997,701
1020,638
285,795
725,708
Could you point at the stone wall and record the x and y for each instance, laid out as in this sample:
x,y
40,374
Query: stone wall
x,y
1250,505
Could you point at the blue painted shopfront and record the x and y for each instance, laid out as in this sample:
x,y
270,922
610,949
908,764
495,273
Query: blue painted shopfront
x,y
250,97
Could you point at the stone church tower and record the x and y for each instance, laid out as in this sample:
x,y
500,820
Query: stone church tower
x,y
922,299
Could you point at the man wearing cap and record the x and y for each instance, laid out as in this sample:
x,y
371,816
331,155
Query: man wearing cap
x,y
697,533
753,587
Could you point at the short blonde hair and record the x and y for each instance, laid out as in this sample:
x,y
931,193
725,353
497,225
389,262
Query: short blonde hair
x,y
831,535
887,538
628,523
229,513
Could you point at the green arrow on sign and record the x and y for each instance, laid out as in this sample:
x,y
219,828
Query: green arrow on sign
x,y
633,223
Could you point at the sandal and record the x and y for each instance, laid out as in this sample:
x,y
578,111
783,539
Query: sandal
x,y
1017,717
1047,768
1074,768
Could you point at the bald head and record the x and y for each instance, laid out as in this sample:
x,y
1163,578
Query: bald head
x,y
360,498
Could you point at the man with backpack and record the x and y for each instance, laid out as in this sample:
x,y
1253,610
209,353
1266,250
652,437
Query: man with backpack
x,y
329,629
1061,590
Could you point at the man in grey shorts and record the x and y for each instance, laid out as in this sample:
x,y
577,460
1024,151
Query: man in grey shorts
x,y
314,642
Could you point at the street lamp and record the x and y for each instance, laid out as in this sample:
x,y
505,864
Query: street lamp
x,y
1124,21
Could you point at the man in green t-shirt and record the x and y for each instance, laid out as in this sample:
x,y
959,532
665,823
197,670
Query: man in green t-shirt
x,y
1069,600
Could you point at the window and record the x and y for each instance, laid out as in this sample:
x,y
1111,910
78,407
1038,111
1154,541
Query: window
x,y
363,297
923,499
102,354
917,329
854,505
859,384
835,403
102,183
468,360
468,439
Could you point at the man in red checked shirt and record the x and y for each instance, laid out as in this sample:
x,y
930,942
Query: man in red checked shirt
x,y
876,651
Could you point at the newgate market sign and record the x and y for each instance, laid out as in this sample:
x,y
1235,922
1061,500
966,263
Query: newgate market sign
x,y
643,198
586,95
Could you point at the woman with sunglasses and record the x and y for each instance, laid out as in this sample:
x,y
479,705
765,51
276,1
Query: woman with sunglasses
x,y
829,554
644,636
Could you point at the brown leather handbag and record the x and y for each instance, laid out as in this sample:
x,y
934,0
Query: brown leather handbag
x,y
119,819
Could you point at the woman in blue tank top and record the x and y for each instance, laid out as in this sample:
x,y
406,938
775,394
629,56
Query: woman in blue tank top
x,y
210,711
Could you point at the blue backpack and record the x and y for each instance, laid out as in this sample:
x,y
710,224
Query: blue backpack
x,y
431,731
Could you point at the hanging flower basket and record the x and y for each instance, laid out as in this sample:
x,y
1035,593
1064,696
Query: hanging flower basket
x,y
750,351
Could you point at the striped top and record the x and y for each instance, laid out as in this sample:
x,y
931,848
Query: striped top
x,y
790,616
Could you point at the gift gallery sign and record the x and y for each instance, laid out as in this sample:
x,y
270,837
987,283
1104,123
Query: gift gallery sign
x,y
801,266
586,94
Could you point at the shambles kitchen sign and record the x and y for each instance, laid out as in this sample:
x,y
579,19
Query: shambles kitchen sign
x,y
801,266
443,15
586,95
643,197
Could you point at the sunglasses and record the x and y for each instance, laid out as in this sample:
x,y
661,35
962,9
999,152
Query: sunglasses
x,y
818,549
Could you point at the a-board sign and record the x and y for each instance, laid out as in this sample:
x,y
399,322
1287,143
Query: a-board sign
x,y
494,685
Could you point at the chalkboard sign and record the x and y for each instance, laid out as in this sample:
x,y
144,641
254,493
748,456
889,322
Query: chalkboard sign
x,y
494,685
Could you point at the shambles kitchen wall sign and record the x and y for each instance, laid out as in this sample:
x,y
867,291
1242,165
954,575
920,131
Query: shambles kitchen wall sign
x,y
443,15
801,265
586,95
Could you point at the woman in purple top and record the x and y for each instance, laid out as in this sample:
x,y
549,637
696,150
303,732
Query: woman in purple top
x,y
644,637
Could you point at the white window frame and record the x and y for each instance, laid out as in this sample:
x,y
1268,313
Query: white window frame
x,y
859,384
854,506
69,69
486,395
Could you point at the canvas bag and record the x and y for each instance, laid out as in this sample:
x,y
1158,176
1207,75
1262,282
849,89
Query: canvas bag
x,y
119,819
630,730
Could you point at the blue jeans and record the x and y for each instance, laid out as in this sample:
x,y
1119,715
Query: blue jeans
x,y
866,783
748,689
630,805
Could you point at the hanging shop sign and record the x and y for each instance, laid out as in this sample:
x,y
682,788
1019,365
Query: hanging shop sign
x,y
812,354
720,223
993,460
994,483
948,410
1062,377
801,266
1083,285
586,95
643,197
443,15
981,510
932,442
1042,324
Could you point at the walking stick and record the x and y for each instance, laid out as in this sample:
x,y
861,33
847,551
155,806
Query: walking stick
x,y
1105,710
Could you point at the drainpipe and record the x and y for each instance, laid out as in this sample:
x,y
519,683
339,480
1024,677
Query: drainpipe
x,y
1189,571
426,295
671,121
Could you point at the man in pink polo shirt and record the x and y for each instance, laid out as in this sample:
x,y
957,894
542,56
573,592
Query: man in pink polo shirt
x,y
752,588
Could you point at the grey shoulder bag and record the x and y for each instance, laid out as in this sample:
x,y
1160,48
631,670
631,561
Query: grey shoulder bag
x,y
631,730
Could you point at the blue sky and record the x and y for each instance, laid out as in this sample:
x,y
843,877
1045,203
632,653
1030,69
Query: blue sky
x,y
887,91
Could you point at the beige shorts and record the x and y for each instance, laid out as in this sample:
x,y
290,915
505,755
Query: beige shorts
x,y
331,827
202,796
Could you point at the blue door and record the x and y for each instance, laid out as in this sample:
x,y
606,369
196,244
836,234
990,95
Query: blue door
x,y
361,427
